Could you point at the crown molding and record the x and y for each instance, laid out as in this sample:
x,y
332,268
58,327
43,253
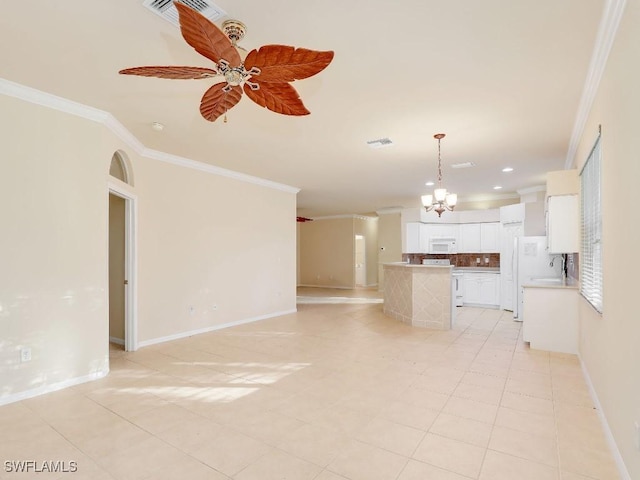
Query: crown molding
x,y
38,97
222,172
536,189
388,210
611,17
348,215
487,197
31,95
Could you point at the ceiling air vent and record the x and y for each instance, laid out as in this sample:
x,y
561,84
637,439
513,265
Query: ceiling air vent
x,y
463,165
379,143
168,11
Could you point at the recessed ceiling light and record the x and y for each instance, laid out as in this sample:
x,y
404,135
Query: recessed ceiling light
x,y
507,169
497,187
429,184
157,126
380,142
463,165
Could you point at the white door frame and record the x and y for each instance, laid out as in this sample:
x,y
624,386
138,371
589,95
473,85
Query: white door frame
x,y
122,190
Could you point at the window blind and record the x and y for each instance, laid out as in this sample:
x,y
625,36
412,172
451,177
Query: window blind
x,y
591,223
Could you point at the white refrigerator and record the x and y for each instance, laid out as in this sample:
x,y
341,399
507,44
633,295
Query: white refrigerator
x,y
532,260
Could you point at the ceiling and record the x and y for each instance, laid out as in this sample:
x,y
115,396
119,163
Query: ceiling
x,y
502,79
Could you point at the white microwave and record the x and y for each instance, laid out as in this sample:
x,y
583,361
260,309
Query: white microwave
x,y
443,245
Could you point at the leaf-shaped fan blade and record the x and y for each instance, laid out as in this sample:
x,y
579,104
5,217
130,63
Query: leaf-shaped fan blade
x,y
281,63
277,97
171,72
207,39
216,101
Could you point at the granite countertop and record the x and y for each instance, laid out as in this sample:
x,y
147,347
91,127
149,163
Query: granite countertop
x,y
478,269
405,264
570,283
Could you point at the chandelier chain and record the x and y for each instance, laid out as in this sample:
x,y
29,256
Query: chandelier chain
x,y
439,166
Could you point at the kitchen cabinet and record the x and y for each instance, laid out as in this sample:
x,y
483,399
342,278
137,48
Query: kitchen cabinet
x,y
416,238
481,288
418,235
443,230
550,318
512,213
412,238
563,224
479,238
469,238
490,237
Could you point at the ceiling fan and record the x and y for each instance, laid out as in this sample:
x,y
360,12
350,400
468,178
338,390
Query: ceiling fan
x,y
264,75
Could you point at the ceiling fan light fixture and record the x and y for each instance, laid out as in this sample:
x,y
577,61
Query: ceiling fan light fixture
x,y
264,74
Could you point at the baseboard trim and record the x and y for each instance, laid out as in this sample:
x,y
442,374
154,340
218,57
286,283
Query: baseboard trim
x,y
34,392
326,286
116,340
190,333
611,441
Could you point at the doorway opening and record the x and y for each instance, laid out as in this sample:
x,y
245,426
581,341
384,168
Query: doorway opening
x,y
122,257
360,261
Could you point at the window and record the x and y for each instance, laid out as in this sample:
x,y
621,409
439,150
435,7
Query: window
x,y
118,167
591,222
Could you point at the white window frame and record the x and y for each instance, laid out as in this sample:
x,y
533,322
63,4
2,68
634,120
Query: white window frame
x,y
591,284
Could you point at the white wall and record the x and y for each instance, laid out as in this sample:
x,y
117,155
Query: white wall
x,y
203,239
609,342
53,247
207,240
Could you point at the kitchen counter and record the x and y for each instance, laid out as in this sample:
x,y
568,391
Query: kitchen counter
x,y
419,295
570,283
477,269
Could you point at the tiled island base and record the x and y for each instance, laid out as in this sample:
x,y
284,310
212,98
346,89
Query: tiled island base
x,y
419,295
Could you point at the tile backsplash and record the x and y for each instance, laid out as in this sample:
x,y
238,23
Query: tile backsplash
x,y
457,259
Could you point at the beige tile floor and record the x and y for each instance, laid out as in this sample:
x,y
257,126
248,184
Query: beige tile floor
x,y
333,392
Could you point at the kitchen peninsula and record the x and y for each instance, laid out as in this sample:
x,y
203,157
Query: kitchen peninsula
x,y
419,295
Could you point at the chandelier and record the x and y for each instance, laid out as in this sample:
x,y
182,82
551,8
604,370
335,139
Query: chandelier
x,y
441,200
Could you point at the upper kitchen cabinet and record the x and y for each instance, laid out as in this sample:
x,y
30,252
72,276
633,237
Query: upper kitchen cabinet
x,y
563,211
480,238
563,224
512,213
490,237
415,238
469,238
419,236
442,230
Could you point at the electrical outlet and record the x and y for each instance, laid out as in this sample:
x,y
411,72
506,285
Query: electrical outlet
x,y
486,259
25,355
478,260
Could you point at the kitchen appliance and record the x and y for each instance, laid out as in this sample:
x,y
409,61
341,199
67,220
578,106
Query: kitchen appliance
x,y
442,245
531,260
